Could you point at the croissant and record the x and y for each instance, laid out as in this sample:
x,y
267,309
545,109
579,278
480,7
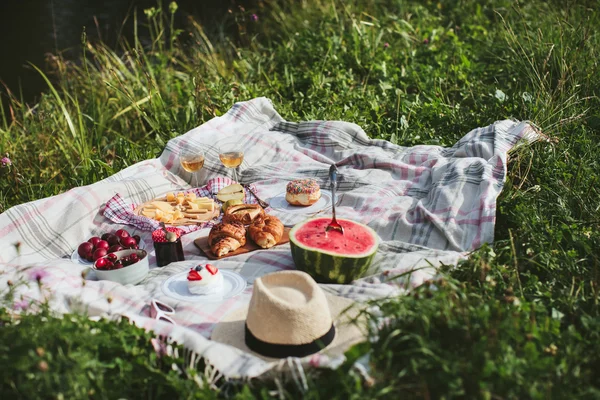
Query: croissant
x,y
226,237
244,213
266,231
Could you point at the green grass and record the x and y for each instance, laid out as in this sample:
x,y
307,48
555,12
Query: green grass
x,y
521,321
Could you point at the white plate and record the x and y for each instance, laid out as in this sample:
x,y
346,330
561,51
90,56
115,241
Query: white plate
x,y
280,203
77,259
177,287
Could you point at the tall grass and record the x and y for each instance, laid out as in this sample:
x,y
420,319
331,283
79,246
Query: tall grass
x,y
518,321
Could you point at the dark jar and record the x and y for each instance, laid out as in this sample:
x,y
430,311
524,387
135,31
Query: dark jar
x,y
168,252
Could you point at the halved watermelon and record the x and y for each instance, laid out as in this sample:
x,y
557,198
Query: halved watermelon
x,y
332,257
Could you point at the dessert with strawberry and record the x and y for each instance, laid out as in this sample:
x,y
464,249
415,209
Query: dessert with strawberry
x,y
205,280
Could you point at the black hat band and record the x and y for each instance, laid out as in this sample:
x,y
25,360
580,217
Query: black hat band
x,y
287,350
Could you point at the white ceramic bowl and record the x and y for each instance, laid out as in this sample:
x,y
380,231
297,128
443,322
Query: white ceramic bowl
x,y
131,274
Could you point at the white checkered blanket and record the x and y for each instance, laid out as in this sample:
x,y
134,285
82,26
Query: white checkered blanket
x,y
428,204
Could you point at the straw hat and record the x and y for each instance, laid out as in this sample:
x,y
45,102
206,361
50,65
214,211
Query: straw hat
x,y
289,315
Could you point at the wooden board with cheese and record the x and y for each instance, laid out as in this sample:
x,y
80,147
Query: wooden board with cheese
x,y
178,209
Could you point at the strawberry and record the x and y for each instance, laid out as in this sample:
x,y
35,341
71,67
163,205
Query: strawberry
x,y
160,236
193,275
212,269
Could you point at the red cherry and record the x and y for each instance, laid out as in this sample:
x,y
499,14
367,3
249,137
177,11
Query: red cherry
x,y
122,233
112,257
133,258
94,240
102,244
128,242
99,253
105,236
109,265
118,264
112,240
116,247
101,263
90,258
137,238
85,249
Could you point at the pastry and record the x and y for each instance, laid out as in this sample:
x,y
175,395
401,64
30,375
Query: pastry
x,y
226,237
266,231
205,280
302,192
244,213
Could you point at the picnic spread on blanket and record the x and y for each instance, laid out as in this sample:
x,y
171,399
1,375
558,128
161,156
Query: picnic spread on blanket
x,y
250,237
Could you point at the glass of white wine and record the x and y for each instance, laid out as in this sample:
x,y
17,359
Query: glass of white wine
x,y
231,155
192,160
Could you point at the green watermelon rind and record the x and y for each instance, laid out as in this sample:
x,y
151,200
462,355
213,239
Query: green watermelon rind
x,y
328,267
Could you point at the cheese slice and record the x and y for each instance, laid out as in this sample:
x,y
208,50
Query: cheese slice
x,y
163,206
201,200
148,213
203,203
196,211
167,218
207,206
170,196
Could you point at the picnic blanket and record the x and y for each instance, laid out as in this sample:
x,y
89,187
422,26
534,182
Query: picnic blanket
x,y
428,204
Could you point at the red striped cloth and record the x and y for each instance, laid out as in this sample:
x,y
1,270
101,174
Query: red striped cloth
x,y
429,205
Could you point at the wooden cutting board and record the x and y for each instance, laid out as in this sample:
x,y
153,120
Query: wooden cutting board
x,y
202,244
184,221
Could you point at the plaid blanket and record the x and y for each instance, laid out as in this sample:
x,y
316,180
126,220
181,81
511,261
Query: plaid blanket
x,y
429,205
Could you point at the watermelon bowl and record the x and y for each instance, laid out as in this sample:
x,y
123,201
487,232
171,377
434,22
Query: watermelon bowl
x,y
333,257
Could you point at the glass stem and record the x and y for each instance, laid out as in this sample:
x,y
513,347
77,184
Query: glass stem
x,y
235,178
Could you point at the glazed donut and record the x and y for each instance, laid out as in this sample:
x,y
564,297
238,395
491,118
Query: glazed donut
x,y
302,192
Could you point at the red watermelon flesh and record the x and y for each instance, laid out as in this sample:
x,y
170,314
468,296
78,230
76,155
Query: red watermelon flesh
x,y
354,241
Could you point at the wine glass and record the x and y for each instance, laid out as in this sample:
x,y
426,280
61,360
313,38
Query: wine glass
x,y
192,160
231,155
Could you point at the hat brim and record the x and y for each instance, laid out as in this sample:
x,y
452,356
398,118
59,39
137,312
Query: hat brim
x,y
231,329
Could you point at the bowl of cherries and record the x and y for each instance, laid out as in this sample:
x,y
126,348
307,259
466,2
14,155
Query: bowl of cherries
x,y
98,247
123,266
